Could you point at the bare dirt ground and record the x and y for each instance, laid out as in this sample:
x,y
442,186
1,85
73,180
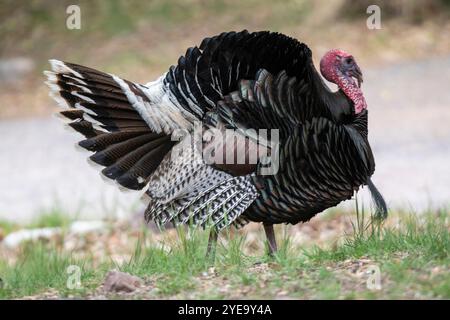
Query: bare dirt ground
x,y
409,132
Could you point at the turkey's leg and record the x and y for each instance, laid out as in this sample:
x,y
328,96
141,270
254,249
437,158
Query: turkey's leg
x,y
212,244
270,234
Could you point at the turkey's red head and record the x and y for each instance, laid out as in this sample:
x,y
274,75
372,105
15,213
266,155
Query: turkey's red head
x,y
339,67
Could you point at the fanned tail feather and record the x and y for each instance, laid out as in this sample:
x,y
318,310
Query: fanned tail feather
x,y
96,106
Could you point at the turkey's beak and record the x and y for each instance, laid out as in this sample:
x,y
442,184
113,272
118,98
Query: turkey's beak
x,y
356,73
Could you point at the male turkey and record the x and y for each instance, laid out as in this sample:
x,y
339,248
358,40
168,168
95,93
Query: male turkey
x,y
240,81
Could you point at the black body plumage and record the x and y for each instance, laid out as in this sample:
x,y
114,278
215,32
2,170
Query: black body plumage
x,y
325,154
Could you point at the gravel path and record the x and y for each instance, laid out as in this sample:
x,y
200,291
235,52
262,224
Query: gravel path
x,y
409,131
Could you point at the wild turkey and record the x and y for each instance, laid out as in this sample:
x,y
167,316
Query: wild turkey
x,y
236,80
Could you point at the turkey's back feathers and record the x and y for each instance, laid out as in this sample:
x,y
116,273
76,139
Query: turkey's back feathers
x,y
205,74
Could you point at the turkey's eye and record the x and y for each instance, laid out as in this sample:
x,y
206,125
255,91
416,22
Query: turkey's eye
x,y
349,61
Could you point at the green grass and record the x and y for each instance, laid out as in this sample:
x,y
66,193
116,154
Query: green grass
x,y
7,226
52,218
413,260
429,239
41,268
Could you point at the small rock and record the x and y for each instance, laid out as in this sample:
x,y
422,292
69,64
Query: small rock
x,y
14,239
15,69
212,270
82,227
436,270
283,295
117,281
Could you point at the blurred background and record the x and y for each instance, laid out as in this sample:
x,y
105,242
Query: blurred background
x,y
406,65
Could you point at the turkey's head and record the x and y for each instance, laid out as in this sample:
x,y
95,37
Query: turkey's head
x,y
339,67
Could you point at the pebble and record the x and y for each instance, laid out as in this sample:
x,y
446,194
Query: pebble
x,y
117,281
14,239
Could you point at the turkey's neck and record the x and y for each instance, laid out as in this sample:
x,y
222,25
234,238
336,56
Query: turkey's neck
x,y
337,103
